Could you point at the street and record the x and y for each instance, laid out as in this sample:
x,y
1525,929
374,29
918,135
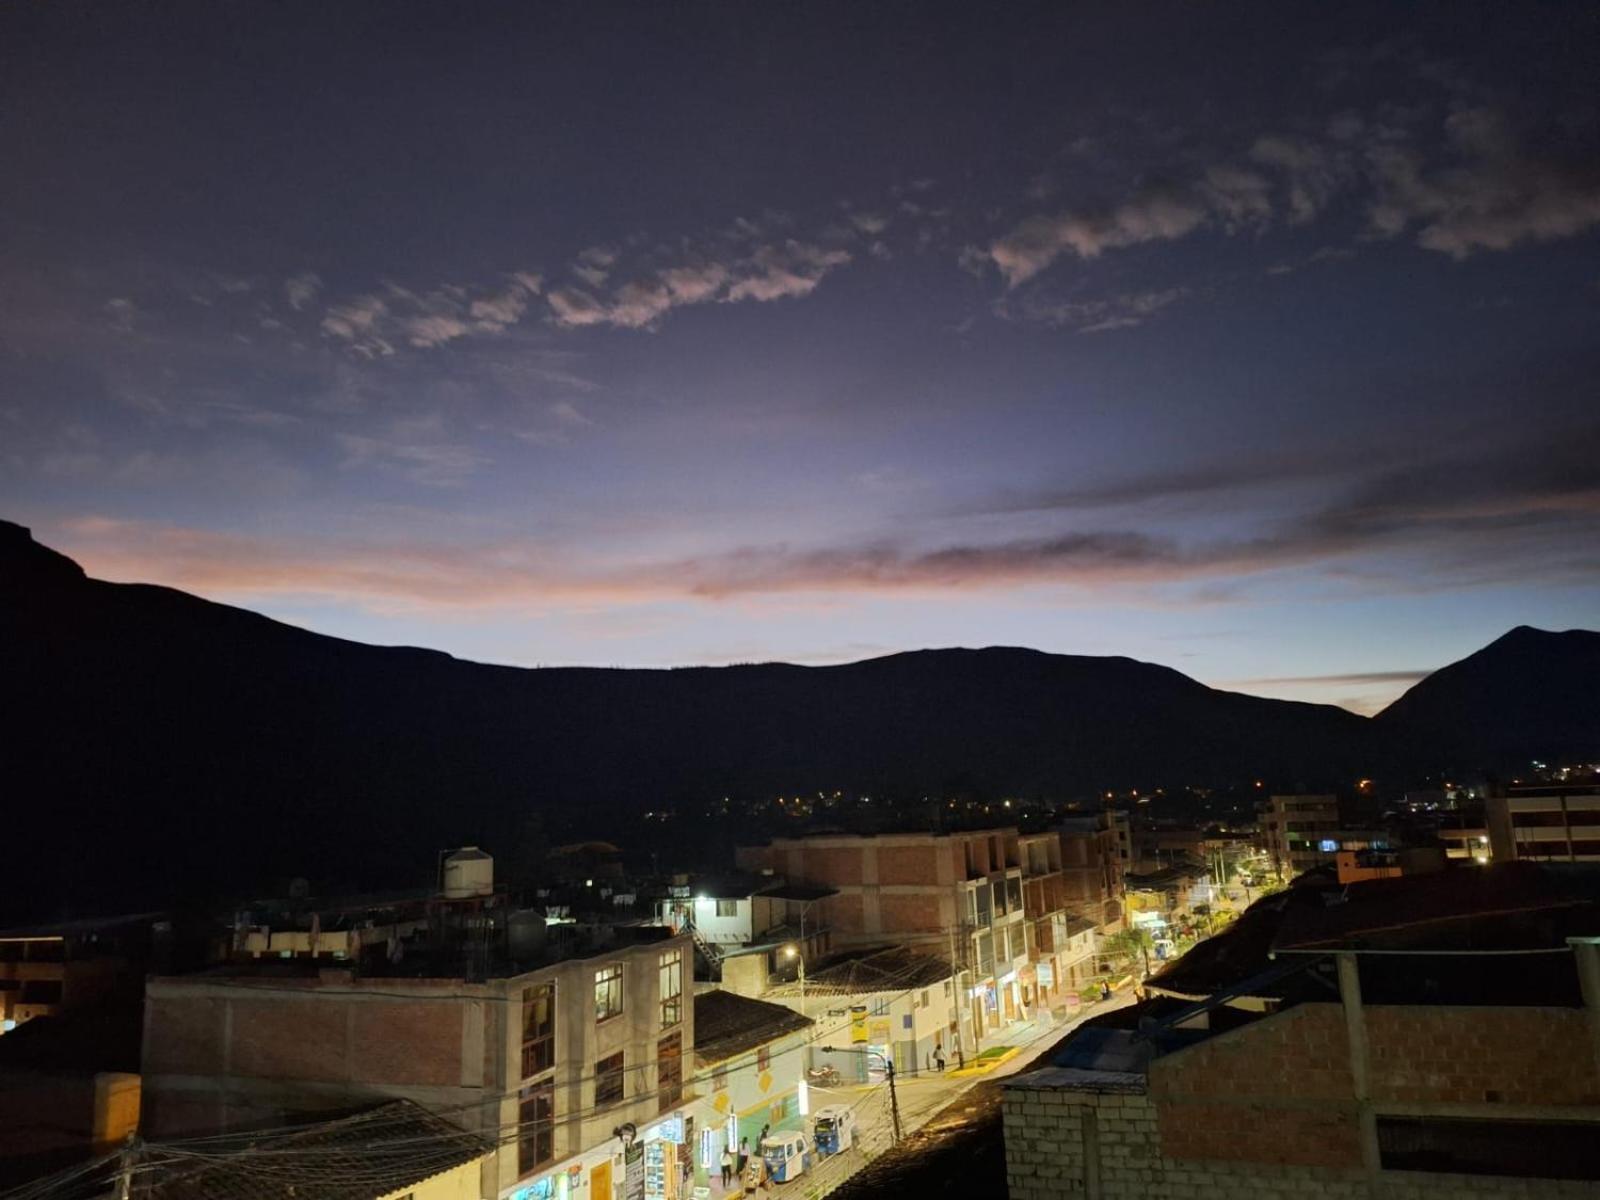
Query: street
x,y
950,1125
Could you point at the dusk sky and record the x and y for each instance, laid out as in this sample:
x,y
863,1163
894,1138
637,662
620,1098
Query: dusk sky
x,y
1262,341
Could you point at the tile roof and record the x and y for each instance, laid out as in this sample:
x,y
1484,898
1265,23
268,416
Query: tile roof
x,y
726,1024
386,1149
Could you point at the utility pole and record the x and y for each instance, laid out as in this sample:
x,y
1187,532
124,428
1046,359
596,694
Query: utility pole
x,y
894,1100
125,1168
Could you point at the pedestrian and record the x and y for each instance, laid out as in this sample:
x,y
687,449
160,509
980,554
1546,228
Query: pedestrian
x,y
744,1155
762,1140
1105,990
727,1166
938,1059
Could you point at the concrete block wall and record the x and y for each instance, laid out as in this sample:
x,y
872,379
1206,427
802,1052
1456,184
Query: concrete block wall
x,y
1069,1141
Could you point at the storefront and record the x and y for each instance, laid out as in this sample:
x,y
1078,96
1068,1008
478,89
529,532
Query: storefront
x,y
651,1166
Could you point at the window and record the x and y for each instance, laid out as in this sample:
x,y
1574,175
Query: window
x,y
671,988
880,1007
926,1000
536,1138
538,1028
763,1059
719,1079
608,1074
999,890
727,908
669,1071
608,992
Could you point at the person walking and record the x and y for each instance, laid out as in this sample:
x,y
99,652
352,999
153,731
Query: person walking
x,y
727,1166
938,1059
1105,990
744,1155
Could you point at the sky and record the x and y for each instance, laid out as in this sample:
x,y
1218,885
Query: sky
x,y
1259,340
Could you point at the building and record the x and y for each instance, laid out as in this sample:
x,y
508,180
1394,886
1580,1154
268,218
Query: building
x,y
1549,822
750,1073
574,1038
1359,866
883,1003
727,915
51,970
958,895
394,1151
1061,944
1427,1036
1092,870
1300,832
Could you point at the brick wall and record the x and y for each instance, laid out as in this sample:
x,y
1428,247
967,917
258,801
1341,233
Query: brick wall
x,y
1065,1141
1479,1055
909,912
908,864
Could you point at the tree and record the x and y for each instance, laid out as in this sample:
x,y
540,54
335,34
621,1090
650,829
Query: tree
x,y
1132,943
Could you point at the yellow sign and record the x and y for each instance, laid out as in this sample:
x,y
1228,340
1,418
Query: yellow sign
x,y
858,1022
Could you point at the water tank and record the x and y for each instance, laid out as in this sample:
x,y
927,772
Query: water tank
x,y
468,872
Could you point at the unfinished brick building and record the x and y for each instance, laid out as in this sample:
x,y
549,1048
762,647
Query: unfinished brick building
x,y
1424,1037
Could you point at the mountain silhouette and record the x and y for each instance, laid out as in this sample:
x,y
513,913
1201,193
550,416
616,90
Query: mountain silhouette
x,y
157,743
1528,695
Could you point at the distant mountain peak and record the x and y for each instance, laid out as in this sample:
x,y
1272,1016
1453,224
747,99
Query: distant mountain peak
x,y
23,560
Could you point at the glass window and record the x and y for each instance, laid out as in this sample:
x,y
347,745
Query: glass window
x,y
608,992
719,1079
727,908
538,1028
536,1138
608,1080
671,987
763,1059
669,1070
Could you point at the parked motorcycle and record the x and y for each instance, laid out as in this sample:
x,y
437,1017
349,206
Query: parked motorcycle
x,y
823,1077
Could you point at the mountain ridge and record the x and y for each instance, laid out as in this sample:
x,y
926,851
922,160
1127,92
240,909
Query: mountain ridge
x,y
156,732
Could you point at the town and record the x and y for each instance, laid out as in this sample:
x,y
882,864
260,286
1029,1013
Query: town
x,y
1425,970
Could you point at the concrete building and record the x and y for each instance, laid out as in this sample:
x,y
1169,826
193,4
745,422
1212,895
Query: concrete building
x,y
883,1002
563,1036
750,1073
1556,822
958,895
1300,832
1428,1036
728,915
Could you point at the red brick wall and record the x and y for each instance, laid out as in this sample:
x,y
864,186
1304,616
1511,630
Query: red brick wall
x,y
830,864
1462,1055
415,1042
845,914
1258,1133
183,1036
909,913
1277,1091
907,864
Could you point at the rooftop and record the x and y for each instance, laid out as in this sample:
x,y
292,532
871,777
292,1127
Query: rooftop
x,y
386,1149
726,1024
871,969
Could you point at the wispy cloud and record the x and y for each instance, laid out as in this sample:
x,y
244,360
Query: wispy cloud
x,y
1093,316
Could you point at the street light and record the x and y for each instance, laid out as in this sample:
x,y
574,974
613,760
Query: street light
x,y
793,951
888,1073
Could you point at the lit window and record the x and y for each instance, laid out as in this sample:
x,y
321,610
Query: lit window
x,y
669,1071
608,992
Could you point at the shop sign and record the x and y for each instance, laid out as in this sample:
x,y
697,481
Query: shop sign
x,y
633,1172
858,1023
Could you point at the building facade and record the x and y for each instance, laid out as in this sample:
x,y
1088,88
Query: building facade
x,y
954,894
1545,822
562,1056
1431,1036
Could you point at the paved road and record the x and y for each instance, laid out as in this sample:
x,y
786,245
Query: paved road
x,y
957,1149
